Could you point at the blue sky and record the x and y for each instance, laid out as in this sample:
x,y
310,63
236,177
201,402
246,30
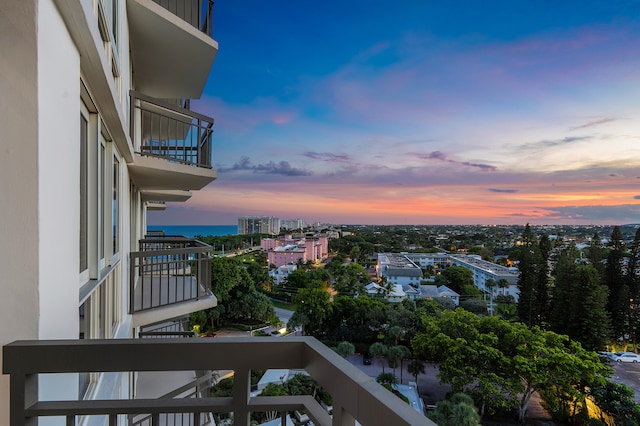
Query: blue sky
x,y
423,112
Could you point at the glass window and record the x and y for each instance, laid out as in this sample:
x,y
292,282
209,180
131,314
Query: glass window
x,y
84,209
115,209
103,192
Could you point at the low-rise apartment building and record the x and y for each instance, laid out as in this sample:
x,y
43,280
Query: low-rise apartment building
x,y
289,250
406,269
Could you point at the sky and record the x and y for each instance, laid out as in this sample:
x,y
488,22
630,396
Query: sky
x,y
423,112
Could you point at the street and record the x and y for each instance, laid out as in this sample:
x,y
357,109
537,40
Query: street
x,y
628,374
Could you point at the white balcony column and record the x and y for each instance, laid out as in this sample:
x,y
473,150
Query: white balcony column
x,y
341,417
241,392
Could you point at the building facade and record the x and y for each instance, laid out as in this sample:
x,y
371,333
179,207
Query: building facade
x,y
289,250
258,225
402,269
97,130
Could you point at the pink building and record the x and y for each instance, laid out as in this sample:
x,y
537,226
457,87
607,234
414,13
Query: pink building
x,y
285,250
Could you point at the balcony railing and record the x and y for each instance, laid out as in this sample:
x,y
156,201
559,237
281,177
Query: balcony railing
x,y
356,397
198,13
160,129
167,271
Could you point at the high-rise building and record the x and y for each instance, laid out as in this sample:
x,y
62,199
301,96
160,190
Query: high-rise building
x,y
258,225
292,224
96,131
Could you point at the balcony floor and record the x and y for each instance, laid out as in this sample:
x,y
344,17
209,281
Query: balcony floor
x,y
155,291
158,298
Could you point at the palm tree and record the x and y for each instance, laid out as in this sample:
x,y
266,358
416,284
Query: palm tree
x,y
503,283
490,284
395,354
416,367
379,350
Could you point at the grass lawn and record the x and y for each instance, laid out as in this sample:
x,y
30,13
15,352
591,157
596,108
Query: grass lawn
x,y
283,305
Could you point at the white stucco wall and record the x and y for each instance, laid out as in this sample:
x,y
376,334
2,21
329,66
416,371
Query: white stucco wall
x,y
18,180
59,171
59,193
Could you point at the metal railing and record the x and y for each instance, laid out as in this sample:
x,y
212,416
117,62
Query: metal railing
x,y
198,13
167,271
168,329
161,129
355,396
199,388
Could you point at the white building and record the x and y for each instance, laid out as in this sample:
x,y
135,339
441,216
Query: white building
x,y
258,225
433,291
281,273
96,130
483,271
398,269
292,224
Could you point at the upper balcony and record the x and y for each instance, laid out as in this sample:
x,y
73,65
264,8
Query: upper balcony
x,y
356,397
171,45
172,148
169,277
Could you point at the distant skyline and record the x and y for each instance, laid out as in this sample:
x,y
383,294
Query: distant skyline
x,y
423,112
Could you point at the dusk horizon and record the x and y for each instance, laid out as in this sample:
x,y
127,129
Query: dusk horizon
x,y
424,113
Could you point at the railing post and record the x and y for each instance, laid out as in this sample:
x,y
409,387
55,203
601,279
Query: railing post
x,y
241,390
132,277
24,393
341,417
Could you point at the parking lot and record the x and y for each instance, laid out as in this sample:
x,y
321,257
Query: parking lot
x,y
628,374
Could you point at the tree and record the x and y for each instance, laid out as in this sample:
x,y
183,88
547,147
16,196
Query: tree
x,y
386,378
579,302
458,278
595,253
416,367
632,274
503,284
313,305
528,257
379,350
541,290
614,279
617,400
397,354
544,359
345,349
490,284
502,364
459,410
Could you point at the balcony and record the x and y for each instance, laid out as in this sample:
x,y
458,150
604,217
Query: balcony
x,y
172,48
172,148
168,278
160,196
356,397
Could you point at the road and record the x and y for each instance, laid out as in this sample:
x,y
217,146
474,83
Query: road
x,y
628,373
283,314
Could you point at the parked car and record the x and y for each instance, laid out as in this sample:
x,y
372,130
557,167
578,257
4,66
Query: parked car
x,y
366,359
627,357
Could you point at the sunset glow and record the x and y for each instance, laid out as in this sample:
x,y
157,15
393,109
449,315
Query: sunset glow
x,y
458,112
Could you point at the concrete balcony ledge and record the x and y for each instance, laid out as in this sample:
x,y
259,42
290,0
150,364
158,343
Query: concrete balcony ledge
x,y
173,50
170,277
172,146
356,397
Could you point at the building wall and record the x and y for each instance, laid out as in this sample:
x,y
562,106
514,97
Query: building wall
x,y
58,172
18,179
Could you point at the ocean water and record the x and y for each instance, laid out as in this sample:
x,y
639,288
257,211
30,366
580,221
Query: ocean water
x,y
193,230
